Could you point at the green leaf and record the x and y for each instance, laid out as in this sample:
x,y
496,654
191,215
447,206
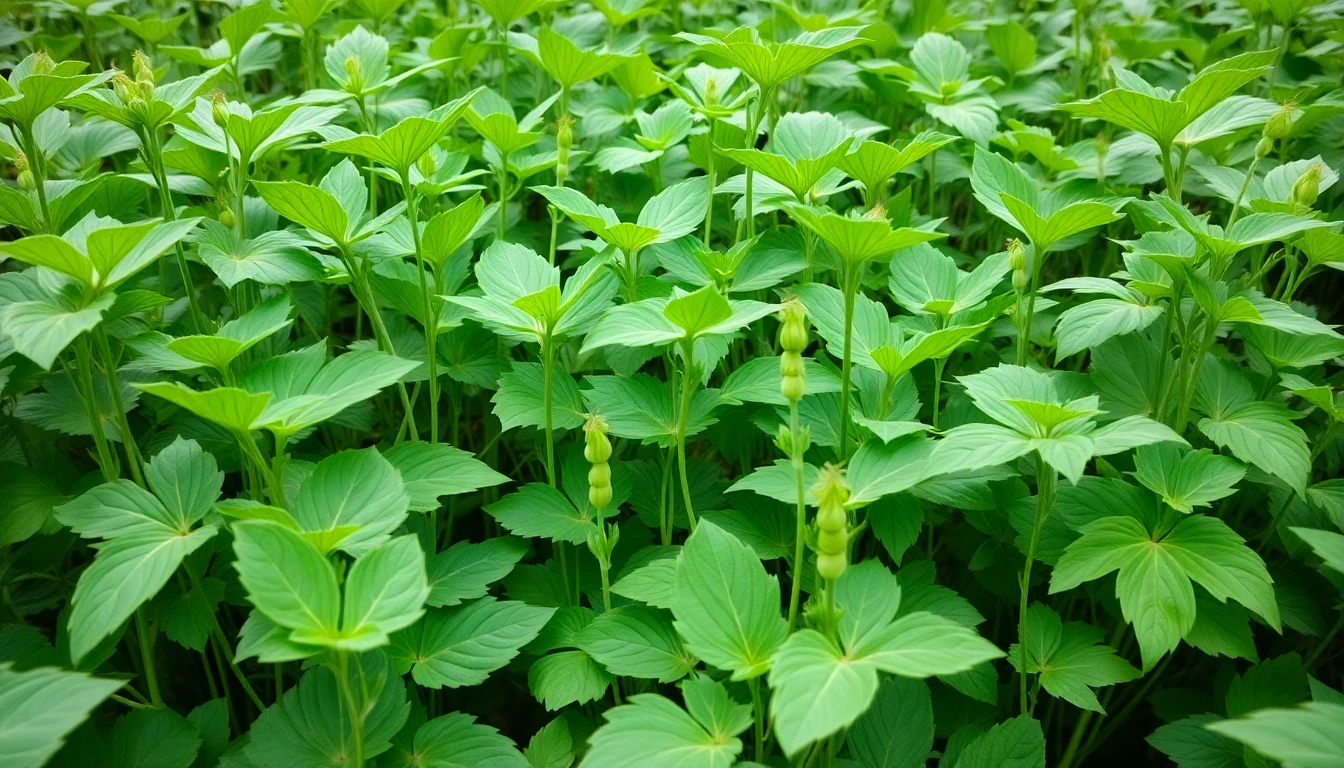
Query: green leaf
x,y
1070,658
229,407
1327,545
726,605
461,646
1309,736
455,740
817,689
1016,743
1262,434
1195,479
127,571
433,470
897,730
288,580
568,677
385,591
537,509
41,330
310,726
40,707
633,641
154,737
1091,323
652,731
465,570
353,488
519,398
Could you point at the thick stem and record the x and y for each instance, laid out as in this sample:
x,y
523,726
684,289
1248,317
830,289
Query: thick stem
x,y
37,163
1191,374
758,711
1045,499
800,529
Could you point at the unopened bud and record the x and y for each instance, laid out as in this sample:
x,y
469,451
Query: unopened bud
x,y
793,325
143,68
1281,124
226,216
124,87
711,91
1017,254
1264,147
1308,186
597,448
832,492
564,139
23,175
1020,280
219,108
876,213
354,74
42,63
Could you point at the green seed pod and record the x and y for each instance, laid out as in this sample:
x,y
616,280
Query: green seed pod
x,y
597,448
599,496
1264,147
564,139
832,542
793,388
600,474
831,567
791,364
1020,280
226,216
1308,186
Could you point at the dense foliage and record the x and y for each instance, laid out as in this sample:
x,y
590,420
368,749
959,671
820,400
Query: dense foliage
x,y
520,383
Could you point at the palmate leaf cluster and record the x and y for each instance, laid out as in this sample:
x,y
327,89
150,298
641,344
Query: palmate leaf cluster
x,y
637,383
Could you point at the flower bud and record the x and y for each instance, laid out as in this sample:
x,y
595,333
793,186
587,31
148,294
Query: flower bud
x,y
600,474
125,87
23,175
564,139
793,388
599,495
1017,255
143,68
1020,280
354,74
1308,186
793,325
1264,147
711,91
831,488
219,108
597,448
831,567
1281,124
791,364
42,63
226,216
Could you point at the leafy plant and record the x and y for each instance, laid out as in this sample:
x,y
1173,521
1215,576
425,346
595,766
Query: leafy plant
x,y
518,383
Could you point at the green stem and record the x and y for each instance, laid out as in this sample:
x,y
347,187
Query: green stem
x,y
352,707
133,457
1024,331
758,710
1241,193
147,657
364,296
1045,499
37,163
431,318
713,179
154,160
84,361
851,289
1191,374
683,414
938,365
547,369
222,645
800,529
